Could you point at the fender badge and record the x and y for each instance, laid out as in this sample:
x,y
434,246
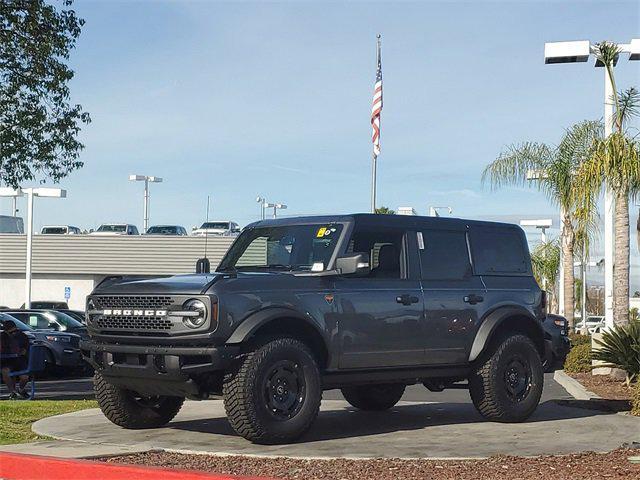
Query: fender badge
x,y
329,297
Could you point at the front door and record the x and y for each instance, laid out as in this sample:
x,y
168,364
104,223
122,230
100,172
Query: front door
x,y
380,317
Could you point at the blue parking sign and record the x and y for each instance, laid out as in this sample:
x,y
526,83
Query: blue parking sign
x,y
67,293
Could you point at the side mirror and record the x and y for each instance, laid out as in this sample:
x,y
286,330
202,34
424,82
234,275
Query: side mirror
x,y
356,263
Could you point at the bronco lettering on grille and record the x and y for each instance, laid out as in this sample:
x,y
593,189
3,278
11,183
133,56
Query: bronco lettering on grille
x,y
118,312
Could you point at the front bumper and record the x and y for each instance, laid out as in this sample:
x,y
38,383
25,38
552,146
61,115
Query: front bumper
x,y
158,370
69,357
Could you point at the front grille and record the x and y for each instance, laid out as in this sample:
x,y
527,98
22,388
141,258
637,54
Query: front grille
x,y
132,322
132,302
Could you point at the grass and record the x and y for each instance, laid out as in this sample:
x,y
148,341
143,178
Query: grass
x,y
17,416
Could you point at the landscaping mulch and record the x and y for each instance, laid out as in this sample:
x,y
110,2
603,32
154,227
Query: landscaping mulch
x,y
604,386
613,465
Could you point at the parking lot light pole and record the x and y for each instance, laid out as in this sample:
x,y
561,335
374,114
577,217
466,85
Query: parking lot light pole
x,y
14,193
276,207
34,192
262,201
579,51
146,179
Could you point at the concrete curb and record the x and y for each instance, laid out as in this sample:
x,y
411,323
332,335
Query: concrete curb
x,y
573,387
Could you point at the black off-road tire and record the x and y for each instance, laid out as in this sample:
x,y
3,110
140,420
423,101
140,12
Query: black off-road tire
x,y
374,397
491,385
125,408
250,386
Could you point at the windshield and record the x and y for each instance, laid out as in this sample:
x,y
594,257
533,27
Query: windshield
x,y
113,228
163,230
288,247
215,225
54,230
66,320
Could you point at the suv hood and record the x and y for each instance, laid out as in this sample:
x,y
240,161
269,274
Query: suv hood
x,y
188,284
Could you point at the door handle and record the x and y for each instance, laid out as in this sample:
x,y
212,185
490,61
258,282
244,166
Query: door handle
x,y
473,299
407,299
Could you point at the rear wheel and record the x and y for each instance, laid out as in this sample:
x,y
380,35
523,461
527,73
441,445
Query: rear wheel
x,y
374,397
273,395
506,385
131,410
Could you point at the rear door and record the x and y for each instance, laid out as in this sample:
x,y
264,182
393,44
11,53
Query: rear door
x,y
454,297
380,317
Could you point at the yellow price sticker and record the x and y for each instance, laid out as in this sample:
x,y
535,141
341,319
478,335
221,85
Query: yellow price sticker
x,y
321,231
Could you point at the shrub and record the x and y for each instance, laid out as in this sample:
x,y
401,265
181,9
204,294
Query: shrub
x,y
620,348
635,400
579,359
579,339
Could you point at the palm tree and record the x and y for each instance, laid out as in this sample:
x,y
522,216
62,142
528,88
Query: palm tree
x,y
553,169
615,161
545,260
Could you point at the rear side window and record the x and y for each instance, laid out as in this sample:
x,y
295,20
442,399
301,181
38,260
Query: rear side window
x,y
443,255
499,251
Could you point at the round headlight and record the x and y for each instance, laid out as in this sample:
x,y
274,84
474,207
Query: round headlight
x,y
199,315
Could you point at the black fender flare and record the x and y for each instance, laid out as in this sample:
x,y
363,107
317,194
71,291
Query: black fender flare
x,y
492,321
256,320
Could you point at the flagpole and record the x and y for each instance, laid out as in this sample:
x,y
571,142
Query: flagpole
x,y
374,161
374,157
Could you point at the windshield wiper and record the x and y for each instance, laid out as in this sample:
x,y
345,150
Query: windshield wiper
x,y
274,266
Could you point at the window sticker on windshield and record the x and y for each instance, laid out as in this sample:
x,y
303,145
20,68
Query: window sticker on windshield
x,y
325,231
33,320
317,267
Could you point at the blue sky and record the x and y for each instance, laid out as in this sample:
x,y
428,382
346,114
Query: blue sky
x,y
240,99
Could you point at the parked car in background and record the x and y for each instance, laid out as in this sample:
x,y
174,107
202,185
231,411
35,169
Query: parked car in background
x,y
49,320
556,330
79,315
592,322
47,305
63,349
224,228
9,224
116,229
166,230
60,230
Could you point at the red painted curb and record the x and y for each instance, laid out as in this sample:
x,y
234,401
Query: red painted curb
x,y
17,466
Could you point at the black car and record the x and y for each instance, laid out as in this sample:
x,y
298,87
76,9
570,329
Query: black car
x,y
365,303
556,330
79,315
49,320
63,352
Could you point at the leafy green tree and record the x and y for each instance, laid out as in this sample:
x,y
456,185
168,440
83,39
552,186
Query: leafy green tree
x,y
382,210
38,125
614,161
551,169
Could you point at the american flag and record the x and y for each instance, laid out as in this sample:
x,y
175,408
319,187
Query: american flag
x,y
376,108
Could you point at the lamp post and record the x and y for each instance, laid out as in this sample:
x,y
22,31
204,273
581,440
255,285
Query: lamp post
x,y
433,211
30,193
579,51
542,225
146,179
276,207
262,201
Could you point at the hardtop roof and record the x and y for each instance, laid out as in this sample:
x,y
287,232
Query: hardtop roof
x,y
380,220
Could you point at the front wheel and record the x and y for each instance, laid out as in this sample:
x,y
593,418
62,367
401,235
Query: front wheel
x,y
506,385
128,409
273,395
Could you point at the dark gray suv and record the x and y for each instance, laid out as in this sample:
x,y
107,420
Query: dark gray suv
x,y
364,303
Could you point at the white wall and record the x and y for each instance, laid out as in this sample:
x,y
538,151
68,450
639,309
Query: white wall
x,y
47,287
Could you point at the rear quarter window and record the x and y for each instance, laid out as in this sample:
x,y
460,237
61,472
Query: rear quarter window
x,y
499,251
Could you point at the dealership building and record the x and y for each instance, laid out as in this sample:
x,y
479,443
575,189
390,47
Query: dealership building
x,y
68,267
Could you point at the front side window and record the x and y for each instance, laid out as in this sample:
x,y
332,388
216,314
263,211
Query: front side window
x,y
384,247
288,248
444,255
